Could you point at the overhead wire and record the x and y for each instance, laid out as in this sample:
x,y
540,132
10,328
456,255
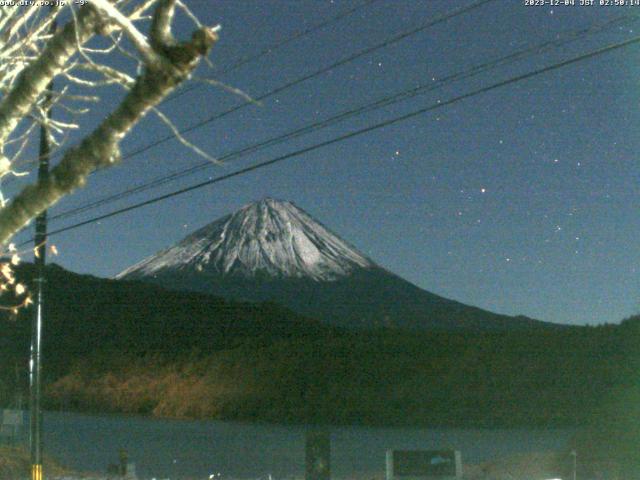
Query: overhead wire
x,y
362,131
385,43
276,46
560,40
252,57
390,41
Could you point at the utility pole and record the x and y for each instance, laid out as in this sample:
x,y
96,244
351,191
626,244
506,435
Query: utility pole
x,y
35,362
40,250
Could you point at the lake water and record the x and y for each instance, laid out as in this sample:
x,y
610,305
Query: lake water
x,y
195,449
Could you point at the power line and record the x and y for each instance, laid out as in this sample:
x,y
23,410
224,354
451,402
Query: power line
x,y
564,39
250,58
396,38
356,133
296,36
272,48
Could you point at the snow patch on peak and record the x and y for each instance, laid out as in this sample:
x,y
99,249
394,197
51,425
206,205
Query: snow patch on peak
x,y
272,237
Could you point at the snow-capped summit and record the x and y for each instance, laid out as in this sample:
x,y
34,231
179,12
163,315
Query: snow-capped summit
x,y
268,237
273,251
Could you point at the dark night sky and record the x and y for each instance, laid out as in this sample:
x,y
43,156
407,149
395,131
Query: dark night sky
x,y
522,200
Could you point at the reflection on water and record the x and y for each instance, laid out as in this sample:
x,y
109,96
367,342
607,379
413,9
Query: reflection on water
x,y
218,450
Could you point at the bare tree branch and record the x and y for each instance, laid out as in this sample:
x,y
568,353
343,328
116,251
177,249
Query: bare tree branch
x,y
35,78
161,35
136,37
101,147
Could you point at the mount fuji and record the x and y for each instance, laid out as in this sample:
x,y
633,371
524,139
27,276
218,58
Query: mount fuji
x,y
271,250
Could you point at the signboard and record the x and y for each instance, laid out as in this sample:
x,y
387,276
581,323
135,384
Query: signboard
x,y
417,464
12,417
11,425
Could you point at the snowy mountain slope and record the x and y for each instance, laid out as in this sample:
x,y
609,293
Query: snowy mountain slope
x,y
272,250
268,237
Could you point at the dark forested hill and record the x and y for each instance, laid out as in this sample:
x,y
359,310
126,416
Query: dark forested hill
x,y
85,315
132,347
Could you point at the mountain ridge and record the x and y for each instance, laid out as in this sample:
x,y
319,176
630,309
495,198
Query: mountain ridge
x,y
271,250
271,236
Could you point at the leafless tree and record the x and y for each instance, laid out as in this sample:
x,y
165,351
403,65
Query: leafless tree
x,y
84,45
79,55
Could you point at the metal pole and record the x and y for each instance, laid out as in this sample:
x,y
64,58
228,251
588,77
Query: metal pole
x,y
35,362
